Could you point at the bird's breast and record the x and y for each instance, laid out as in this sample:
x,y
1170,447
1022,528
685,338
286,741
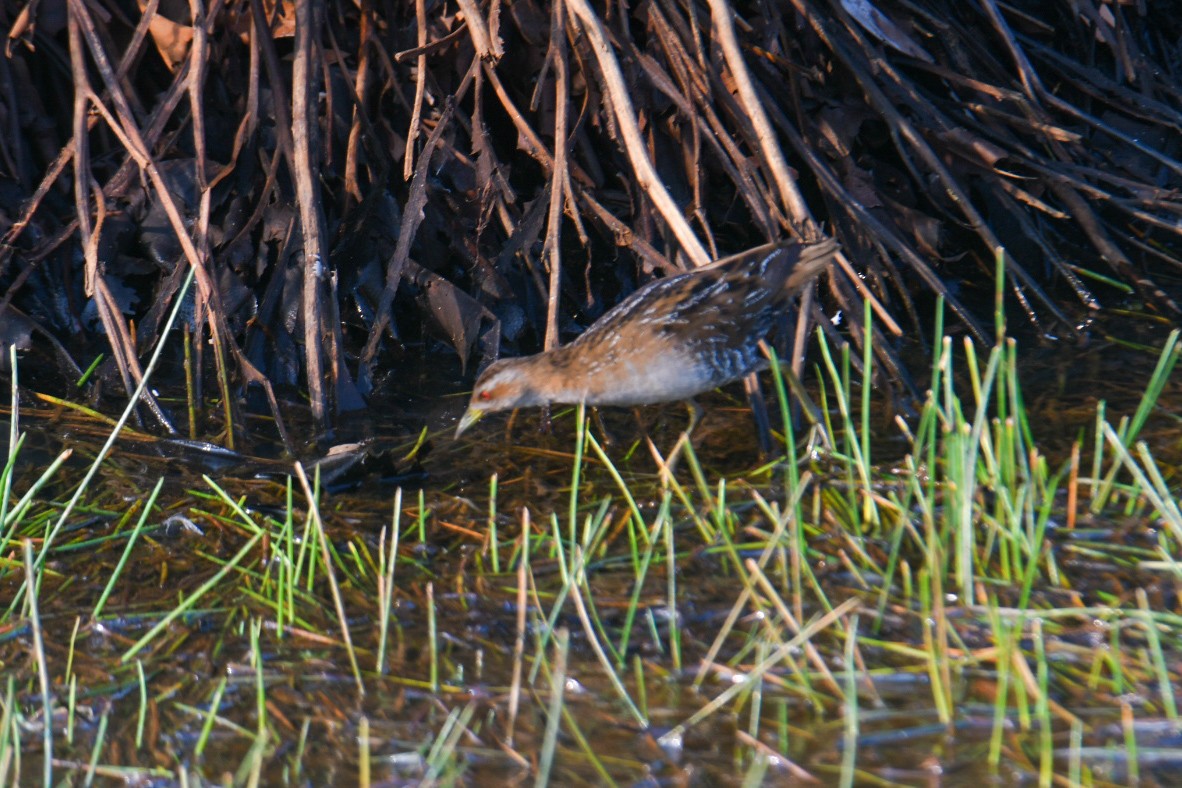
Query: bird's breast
x,y
636,379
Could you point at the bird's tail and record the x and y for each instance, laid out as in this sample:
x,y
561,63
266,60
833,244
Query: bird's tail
x,y
787,266
810,260
784,267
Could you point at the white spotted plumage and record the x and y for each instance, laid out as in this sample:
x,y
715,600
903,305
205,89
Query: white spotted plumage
x,y
670,340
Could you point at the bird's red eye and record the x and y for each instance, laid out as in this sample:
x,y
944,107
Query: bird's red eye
x,y
484,396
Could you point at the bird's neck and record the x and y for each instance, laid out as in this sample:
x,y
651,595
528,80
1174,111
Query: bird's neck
x,y
554,377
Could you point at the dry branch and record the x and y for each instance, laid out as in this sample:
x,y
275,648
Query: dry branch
x,y
571,153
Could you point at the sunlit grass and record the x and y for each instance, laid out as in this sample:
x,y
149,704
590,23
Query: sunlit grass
x,y
657,606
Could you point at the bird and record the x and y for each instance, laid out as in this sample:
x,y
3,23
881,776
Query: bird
x,y
674,338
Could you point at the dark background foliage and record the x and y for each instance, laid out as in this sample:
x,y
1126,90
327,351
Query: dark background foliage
x,y
359,185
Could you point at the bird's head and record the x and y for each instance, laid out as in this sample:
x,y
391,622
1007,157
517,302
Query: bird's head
x,y
503,385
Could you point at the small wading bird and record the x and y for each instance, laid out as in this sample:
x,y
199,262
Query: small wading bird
x,y
672,339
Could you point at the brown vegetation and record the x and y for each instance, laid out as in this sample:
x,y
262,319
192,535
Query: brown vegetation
x,y
343,179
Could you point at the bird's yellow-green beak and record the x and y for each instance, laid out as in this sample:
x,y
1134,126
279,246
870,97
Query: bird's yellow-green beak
x,y
470,417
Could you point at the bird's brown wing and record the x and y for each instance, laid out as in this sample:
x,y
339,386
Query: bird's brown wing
x,y
717,314
726,310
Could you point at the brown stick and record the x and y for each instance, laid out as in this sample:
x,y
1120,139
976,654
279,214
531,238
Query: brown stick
x,y
557,56
724,28
416,117
488,47
134,140
646,176
306,158
112,319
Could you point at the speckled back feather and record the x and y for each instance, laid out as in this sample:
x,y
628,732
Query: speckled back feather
x,y
670,340
721,311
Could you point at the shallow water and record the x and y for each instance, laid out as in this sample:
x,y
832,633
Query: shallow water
x,y
651,607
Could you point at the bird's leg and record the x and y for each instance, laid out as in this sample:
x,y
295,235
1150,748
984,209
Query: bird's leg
x,y
695,415
636,414
692,408
763,430
596,417
509,426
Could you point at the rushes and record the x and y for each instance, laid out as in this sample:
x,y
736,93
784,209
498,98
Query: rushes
x,y
846,602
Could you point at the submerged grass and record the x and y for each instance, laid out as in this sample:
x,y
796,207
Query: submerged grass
x,y
821,616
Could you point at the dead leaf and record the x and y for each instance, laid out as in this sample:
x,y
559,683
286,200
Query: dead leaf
x,y
172,39
879,25
452,312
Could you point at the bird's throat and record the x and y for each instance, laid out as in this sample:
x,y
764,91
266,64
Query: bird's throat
x,y
555,376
